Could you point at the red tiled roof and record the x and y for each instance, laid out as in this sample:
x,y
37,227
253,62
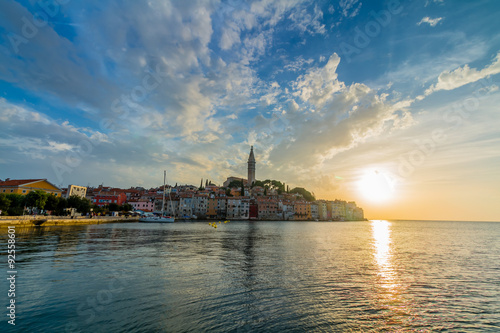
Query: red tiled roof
x,y
17,182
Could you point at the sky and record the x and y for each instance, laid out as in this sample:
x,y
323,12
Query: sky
x,y
392,104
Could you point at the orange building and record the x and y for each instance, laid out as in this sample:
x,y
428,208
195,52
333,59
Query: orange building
x,y
302,210
25,186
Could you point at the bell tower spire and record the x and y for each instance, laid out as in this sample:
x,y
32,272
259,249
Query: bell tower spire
x,y
251,167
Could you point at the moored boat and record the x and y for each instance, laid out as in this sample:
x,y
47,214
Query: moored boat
x,y
159,218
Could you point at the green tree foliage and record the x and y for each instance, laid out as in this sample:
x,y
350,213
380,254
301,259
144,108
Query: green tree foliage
x,y
114,207
36,199
51,203
4,204
271,184
96,209
85,205
234,183
82,205
305,193
17,203
126,207
62,204
74,201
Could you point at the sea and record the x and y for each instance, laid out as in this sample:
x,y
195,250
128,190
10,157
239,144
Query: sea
x,y
366,276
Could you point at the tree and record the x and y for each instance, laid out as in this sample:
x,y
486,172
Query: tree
x,y
62,204
114,207
74,202
36,199
126,207
305,194
85,205
51,203
4,204
17,202
82,205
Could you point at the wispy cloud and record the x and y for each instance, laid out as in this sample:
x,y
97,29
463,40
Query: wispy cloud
x,y
350,8
432,22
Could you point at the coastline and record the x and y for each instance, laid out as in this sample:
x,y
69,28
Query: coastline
x,y
27,221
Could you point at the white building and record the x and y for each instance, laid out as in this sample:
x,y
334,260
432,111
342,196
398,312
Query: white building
x,y
79,191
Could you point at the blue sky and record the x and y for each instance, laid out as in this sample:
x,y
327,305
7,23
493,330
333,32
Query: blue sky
x,y
330,93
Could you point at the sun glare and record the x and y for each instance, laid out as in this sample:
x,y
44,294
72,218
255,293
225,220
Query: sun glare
x,y
376,186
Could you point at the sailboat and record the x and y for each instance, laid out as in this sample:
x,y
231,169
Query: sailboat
x,y
162,218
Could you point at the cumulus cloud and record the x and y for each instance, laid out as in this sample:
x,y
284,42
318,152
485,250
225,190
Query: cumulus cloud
x,y
319,84
449,80
344,116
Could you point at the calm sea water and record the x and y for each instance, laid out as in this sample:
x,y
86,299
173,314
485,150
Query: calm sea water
x,y
258,276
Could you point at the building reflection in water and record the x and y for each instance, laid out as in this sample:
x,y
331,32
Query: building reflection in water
x,y
388,285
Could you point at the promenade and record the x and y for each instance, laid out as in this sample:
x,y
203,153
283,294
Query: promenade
x,y
28,220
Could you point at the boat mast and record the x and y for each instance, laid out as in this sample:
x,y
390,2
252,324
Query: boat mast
x,y
163,202
170,200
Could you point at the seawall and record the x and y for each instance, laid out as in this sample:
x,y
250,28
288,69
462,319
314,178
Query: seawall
x,y
27,221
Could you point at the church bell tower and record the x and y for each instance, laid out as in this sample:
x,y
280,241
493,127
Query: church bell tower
x,y
251,167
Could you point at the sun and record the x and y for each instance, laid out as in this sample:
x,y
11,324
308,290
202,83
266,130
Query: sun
x,y
377,186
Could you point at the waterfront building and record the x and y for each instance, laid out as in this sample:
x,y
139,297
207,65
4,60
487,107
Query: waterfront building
x,y
338,210
268,209
79,191
350,207
251,167
322,210
144,205
199,204
172,207
314,211
358,214
253,210
221,207
25,186
287,209
211,208
302,210
105,198
186,205
238,208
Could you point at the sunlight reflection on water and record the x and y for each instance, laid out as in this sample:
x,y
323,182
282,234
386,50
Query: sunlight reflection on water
x,y
390,288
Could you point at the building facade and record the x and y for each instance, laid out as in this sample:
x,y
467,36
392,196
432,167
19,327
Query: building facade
x,y
25,186
79,191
